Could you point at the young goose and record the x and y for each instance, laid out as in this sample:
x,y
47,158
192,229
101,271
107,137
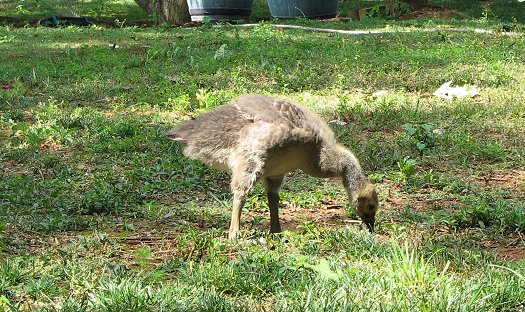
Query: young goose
x,y
258,137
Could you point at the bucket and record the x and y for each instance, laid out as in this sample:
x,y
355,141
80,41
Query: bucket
x,y
219,10
316,9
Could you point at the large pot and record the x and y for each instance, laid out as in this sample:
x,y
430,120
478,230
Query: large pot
x,y
303,8
219,10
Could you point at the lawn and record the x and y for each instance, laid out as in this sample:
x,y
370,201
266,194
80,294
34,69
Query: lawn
x,y
99,211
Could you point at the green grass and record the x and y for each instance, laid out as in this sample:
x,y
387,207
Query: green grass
x,y
29,11
100,212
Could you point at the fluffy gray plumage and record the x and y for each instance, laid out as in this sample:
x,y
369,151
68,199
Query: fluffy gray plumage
x,y
257,137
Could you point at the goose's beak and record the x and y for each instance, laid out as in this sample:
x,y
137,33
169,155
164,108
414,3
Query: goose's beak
x,y
369,221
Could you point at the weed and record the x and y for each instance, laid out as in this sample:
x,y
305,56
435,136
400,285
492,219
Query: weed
x,y
60,222
109,196
12,273
128,295
422,136
407,168
143,256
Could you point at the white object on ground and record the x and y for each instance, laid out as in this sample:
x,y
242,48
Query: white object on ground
x,y
447,92
379,93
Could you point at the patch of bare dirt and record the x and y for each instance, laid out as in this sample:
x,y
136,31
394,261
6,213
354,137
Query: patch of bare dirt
x,y
163,246
51,145
292,218
510,253
507,178
432,12
395,198
510,248
13,167
419,203
263,79
513,180
6,86
161,241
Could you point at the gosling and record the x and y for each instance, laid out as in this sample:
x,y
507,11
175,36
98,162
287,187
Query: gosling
x,y
257,137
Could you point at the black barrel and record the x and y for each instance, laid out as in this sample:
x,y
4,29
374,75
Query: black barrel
x,y
220,10
317,9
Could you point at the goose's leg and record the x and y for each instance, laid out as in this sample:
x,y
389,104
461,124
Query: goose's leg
x,y
243,179
238,203
273,186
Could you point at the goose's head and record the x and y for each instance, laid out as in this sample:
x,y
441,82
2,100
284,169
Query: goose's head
x,y
367,204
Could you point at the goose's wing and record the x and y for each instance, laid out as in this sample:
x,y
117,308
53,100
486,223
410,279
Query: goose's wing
x,y
259,107
279,123
219,127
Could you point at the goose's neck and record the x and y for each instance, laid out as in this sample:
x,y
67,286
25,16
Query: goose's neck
x,y
351,172
339,161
